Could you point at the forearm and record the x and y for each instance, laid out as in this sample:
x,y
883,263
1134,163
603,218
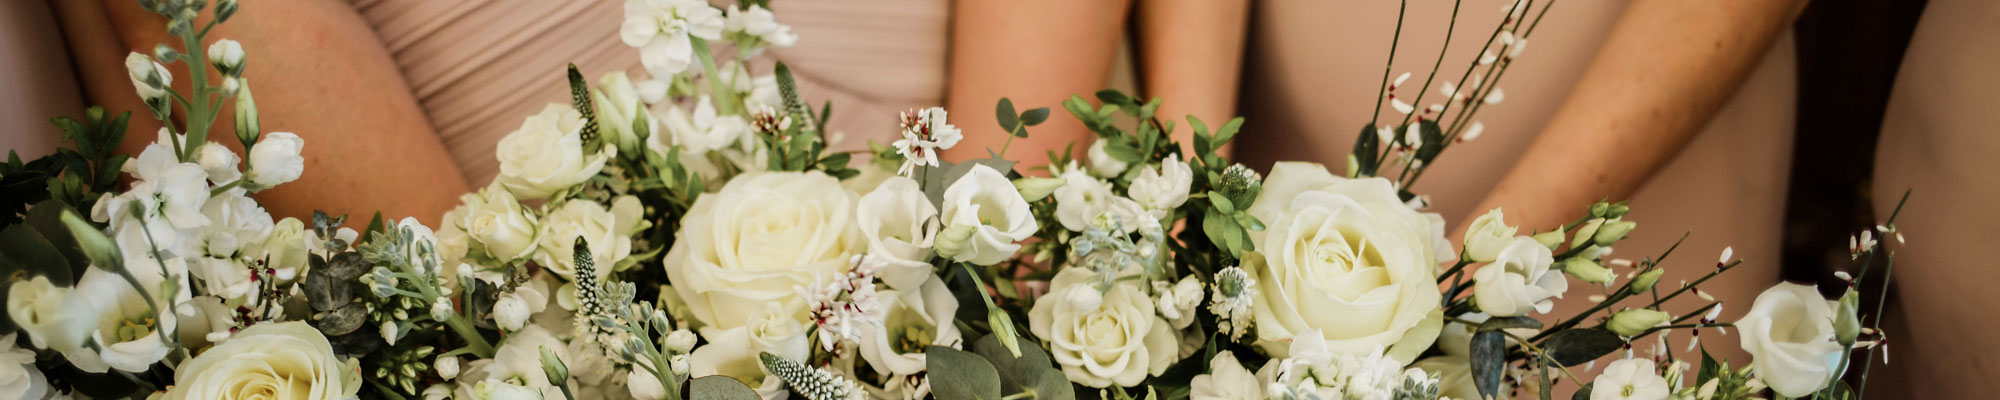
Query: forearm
x,y
1191,55
1662,73
1036,52
317,70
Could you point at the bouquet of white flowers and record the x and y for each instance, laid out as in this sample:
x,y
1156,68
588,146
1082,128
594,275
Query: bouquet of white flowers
x,y
690,235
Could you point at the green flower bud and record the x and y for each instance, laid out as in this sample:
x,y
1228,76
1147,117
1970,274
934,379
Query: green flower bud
x,y
1585,233
1613,231
1633,322
1599,209
1588,271
1847,324
1617,211
953,240
1645,280
99,248
1034,189
1550,238
558,373
246,114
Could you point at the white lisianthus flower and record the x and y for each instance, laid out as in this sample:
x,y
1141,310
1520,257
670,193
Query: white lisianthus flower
x,y
1083,198
1164,187
276,160
288,360
1519,280
1226,380
759,237
984,218
900,224
756,24
1789,335
1119,342
151,79
219,163
608,233
913,318
202,321
700,131
128,331
1629,379
55,318
226,55
19,378
1487,235
768,328
1346,258
546,154
663,31
494,389
499,223
1102,164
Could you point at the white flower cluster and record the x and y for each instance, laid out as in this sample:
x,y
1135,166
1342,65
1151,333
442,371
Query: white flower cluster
x,y
1311,372
843,307
925,133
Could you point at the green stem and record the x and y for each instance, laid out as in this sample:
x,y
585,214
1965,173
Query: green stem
x,y
979,285
198,118
1888,270
1380,91
725,96
1425,89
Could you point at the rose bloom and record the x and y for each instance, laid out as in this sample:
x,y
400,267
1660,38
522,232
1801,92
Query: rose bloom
x,y
546,154
755,240
1120,340
287,360
1345,257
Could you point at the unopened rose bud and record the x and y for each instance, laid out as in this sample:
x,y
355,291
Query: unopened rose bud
x,y
1588,271
1633,322
1646,280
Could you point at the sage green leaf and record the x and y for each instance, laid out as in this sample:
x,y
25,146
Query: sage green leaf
x,y
720,388
1577,346
1035,116
1016,373
1052,385
343,320
960,375
1489,362
1004,112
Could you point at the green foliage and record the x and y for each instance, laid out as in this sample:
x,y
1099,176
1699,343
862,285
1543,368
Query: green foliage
x,y
1031,372
719,387
960,375
1489,362
1577,346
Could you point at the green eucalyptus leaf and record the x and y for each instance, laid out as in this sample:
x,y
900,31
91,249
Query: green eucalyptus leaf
x,y
1366,146
1016,373
1035,116
24,251
1228,131
720,388
1004,112
1583,393
46,218
1577,346
961,375
1489,362
1053,385
1514,322
1433,137
343,320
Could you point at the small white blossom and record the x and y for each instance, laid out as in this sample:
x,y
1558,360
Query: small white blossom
x,y
755,26
227,56
663,31
149,78
1230,301
925,133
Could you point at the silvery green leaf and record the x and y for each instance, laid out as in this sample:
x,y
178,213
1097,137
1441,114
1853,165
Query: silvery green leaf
x,y
343,320
720,388
1515,322
1489,362
1577,346
960,375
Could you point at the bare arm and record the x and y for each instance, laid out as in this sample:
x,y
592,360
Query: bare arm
x,y
1663,72
1036,52
1191,54
317,70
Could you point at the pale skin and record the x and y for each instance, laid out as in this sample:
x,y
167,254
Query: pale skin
x,y
317,70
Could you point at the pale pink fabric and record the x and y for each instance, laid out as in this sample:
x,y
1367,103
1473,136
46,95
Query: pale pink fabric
x,y
479,67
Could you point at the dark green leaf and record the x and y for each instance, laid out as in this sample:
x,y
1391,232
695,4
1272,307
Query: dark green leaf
x,y
1117,98
1515,322
1433,137
347,266
1009,120
1489,362
1054,386
46,218
343,320
1577,346
27,252
1583,393
961,375
1035,116
1366,146
719,387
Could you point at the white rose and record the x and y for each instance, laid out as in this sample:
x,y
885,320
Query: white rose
x,y
219,162
1487,235
1345,257
1226,380
755,240
899,224
1102,164
912,319
1519,280
275,159
1120,342
1164,187
984,217
143,71
500,224
608,236
284,250
1629,379
1789,335
546,154
618,105
733,352
55,318
264,359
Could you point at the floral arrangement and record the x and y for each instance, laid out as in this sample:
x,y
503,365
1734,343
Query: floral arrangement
x,y
690,235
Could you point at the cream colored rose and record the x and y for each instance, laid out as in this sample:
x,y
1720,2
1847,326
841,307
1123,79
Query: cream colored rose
x,y
754,241
284,360
1345,257
984,217
1226,380
1789,335
913,319
899,224
546,154
1518,280
285,249
1487,235
769,328
499,223
1121,341
608,233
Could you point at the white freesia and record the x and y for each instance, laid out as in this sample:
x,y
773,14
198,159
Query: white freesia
x,y
1629,379
900,224
1519,280
55,318
1487,235
284,360
151,79
607,233
1346,258
1789,335
663,30
913,318
1119,342
751,243
757,24
499,223
984,218
1102,164
276,160
1226,380
1164,187
546,154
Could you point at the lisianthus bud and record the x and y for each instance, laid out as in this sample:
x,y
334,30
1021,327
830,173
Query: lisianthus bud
x,y
1847,324
1588,271
1646,280
99,248
1599,209
1588,231
1550,238
1633,322
1613,231
952,240
1617,211
246,114
554,368
1035,189
227,56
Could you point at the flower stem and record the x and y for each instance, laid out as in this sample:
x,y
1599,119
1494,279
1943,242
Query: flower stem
x,y
725,95
1389,65
199,117
1425,89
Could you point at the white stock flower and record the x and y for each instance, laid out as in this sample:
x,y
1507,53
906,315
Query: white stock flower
x,y
284,249
519,359
275,159
1102,164
900,224
762,235
1629,379
289,360
1178,303
235,222
607,233
913,319
1346,258
984,217
546,154
758,24
226,55
1121,341
1164,187
446,367
55,318
499,223
701,131
1519,280
219,163
1487,235
493,389
1226,380
149,78
663,31
510,313
1789,335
